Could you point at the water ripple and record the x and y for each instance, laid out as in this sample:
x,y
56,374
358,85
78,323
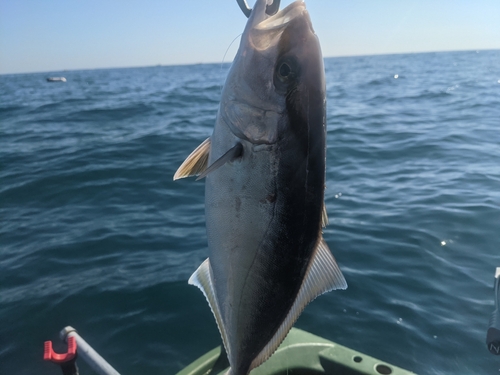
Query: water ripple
x,y
97,235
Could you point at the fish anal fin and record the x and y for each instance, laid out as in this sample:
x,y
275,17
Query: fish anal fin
x,y
202,278
322,275
196,162
232,154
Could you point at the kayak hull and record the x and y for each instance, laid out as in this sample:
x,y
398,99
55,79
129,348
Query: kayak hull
x,y
301,353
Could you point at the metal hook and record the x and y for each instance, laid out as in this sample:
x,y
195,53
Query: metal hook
x,y
244,7
270,9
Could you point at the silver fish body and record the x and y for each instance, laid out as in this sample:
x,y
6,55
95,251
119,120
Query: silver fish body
x,y
264,196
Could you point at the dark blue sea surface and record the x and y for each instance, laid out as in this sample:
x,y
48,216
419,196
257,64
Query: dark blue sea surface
x,y
95,234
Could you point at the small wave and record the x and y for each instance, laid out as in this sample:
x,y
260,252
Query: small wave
x,y
111,114
7,109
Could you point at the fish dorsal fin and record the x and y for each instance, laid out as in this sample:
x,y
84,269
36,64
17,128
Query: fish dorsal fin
x,y
324,216
196,162
232,154
202,278
322,275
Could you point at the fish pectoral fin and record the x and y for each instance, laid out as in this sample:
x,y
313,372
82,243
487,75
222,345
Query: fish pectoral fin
x,y
202,278
232,154
322,275
324,216
196,162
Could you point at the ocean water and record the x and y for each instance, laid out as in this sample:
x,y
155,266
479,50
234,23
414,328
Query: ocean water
x,y
95,234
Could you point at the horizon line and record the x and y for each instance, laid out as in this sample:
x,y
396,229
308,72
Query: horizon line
x,y
229,62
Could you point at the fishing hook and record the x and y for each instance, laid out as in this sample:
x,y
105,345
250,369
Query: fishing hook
x,y
271,9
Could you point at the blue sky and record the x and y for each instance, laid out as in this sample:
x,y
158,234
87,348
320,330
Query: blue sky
x,y
52,35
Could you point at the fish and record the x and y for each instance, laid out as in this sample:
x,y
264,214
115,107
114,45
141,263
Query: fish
x,y
264,168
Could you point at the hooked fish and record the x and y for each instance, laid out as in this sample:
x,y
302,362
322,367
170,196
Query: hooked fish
x,y
264,192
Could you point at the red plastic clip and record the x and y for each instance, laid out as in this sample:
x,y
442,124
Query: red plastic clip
x,y
50,355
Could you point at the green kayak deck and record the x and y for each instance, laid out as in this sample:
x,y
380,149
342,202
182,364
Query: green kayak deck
x,y
302,353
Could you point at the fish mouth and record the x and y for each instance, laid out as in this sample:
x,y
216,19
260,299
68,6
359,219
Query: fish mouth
x,y
264,31
283,17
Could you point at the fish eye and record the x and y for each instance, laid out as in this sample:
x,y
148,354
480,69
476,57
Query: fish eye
x,y
284,70
286,73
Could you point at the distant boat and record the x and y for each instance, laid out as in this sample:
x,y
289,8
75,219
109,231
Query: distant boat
x,y
56,79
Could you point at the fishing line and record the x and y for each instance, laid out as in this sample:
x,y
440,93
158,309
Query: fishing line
x,y
225,53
